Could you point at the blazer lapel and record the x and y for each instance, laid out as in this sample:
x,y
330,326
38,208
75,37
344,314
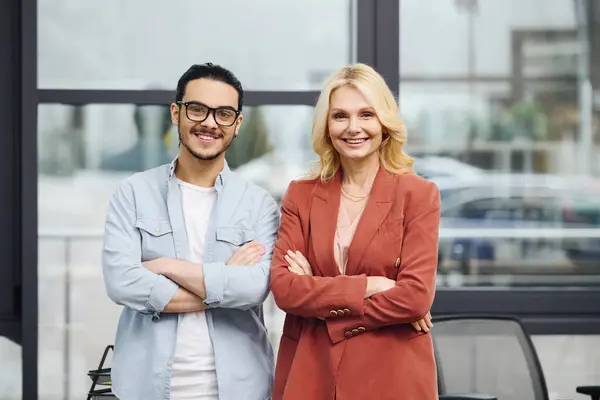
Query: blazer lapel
x,y
377,208
323,223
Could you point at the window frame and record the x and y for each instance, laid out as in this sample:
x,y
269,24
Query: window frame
x,y
377,42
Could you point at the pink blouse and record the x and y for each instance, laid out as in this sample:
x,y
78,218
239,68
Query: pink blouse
x,y
343,237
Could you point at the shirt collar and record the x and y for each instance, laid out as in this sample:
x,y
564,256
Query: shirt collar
x,y
223,177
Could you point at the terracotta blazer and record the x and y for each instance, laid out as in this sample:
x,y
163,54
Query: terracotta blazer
x,y
335,343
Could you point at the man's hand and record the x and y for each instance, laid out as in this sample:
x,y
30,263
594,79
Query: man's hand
x,y
423,324
297,263
249,254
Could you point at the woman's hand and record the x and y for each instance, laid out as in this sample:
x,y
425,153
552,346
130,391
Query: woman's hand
x,y
297,263
423,324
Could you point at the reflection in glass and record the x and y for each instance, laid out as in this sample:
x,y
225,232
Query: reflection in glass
x,y
496,117
253,140
151,147
499,78
111,45
529,226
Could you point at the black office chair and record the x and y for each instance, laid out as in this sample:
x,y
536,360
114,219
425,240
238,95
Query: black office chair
x,y
491,355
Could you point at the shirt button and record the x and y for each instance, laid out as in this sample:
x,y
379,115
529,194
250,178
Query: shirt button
x,y
157,230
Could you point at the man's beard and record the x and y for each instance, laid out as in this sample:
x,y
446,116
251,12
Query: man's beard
x,y
201,156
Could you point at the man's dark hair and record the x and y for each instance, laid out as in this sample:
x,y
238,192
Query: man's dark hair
x,y
209,71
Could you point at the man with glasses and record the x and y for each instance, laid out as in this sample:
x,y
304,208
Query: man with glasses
x,y
187,251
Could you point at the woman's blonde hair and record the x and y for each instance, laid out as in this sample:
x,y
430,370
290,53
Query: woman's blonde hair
x,y
372,86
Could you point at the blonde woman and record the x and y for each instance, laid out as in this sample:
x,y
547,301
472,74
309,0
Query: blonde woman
x,y
355,260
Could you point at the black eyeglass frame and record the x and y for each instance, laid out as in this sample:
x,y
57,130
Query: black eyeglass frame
x,y
211,110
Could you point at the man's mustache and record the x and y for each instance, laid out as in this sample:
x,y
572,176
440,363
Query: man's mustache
x,y
201,131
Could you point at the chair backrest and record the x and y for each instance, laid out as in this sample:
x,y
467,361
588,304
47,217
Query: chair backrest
x,y
488,354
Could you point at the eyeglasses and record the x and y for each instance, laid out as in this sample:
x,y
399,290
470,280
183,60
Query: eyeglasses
x,y
198,112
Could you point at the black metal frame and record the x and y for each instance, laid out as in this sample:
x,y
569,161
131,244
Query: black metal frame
x,y
26,225
544,311
378,39
29,198
10,316
161,97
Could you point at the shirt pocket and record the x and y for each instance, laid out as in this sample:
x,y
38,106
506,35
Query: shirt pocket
x,y
229,239
235,236
157,238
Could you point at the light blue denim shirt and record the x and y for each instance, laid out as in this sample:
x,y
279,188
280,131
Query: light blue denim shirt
x,y
144,222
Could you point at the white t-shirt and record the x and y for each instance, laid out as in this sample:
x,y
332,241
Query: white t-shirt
x,y
193,372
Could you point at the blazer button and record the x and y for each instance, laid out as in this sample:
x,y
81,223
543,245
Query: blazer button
x,y
346,311
355,331
361,329
340,313
333,313
397,263
348,334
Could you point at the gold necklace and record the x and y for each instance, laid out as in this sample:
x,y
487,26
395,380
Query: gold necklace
x,y
354,198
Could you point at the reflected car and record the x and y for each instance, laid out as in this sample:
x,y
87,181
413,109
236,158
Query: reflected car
x,y
524,204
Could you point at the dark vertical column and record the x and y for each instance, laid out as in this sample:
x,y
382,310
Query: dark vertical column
x,y
365,31
29,195
9,202
387,27
593,23
18,179
378,38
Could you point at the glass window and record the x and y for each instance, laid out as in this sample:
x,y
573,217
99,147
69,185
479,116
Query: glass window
x,y
580,212
141,44
476,34
10,369
489,91
524,231
84,153
494,82
520,210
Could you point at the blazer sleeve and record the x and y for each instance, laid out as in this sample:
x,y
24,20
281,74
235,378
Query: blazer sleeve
x,y
412,297
303,295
